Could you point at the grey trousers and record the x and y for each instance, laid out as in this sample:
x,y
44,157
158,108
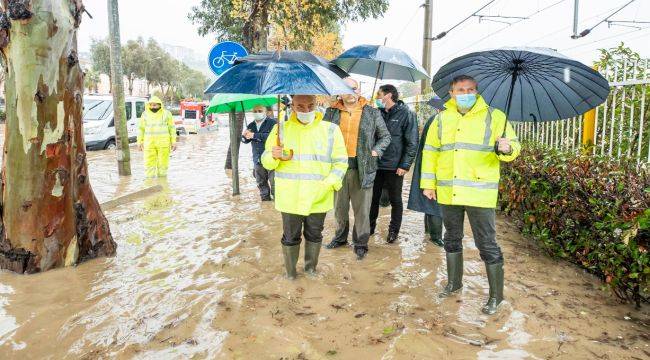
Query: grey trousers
x,y
351,192
293,225
482,221
264,178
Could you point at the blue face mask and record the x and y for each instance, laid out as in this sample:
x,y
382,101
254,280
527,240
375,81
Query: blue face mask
x,y
380,105
465,101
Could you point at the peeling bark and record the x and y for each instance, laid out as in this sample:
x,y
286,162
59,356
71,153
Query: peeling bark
x,y
49,214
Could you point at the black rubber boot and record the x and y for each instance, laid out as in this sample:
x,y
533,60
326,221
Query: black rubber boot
x,y
454,274
312,249
335,244
392,237
495,279
290,254
433,227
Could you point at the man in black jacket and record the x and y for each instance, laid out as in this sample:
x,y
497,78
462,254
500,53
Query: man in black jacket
x,y
366,137
256,133
396,160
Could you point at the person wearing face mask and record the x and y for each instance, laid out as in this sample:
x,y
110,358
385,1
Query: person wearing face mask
x,y
156,138
366,137
256,134
396,160
309,167
460,169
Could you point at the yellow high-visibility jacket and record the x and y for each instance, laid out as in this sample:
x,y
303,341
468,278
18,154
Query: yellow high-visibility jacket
x,y
459,161
156,129
305,184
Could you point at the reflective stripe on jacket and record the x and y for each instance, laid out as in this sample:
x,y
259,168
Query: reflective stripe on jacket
x,y
305,184
459,160
156,129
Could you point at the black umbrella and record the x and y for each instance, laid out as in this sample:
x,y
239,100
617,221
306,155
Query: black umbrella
x,y
294,55
529,84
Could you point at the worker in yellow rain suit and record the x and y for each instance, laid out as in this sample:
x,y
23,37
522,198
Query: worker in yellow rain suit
x,y
305,183
460,169
156,137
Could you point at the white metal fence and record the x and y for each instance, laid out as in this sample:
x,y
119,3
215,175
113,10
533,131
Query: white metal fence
x,y
622,128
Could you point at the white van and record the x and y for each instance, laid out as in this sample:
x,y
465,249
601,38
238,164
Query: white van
x,y
98,122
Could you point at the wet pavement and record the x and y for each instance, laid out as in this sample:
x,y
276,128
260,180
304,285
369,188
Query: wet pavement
x,y
199,274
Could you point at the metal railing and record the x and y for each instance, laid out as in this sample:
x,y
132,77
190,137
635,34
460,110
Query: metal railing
x,y
621,126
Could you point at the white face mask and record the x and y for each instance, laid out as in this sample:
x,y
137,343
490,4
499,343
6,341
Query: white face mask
x,y
306,118
259,116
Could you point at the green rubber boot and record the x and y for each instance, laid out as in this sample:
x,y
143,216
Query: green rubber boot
x,y
433,227
454,274
312,249
495,279
290,254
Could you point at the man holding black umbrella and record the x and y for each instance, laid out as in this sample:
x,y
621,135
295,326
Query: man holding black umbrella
x,y
396,160
461,170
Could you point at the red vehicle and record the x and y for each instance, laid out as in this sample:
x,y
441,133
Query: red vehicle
x,y
192,116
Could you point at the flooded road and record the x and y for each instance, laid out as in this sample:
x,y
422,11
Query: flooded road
x,y
199,274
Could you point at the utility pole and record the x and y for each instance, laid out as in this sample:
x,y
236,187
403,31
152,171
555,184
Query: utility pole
x,y
426,44
575,19
119,111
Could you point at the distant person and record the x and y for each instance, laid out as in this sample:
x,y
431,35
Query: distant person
x,y
156,137
420,203
461,170
305,182
269,112
256,134
396,160
366,137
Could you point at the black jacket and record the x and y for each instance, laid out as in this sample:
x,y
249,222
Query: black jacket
x,y
259,139
403,127
373,135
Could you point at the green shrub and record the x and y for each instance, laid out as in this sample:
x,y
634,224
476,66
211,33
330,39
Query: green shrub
x,y
590,211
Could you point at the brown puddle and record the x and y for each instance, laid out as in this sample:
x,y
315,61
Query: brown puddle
x,y
199,274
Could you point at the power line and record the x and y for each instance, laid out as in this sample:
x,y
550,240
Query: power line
x,y
587,31
444,33
566,27
605,38
408,23
505,27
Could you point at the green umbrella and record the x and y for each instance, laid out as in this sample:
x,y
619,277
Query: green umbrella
x,y
225,103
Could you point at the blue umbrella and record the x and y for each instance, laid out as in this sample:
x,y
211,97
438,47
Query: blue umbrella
x,y
294,55
281,76
381,62
529,84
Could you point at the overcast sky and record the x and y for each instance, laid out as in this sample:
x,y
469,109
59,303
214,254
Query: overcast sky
x,y
166,20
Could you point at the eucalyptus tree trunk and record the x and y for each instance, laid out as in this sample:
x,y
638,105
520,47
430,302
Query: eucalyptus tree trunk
x,y
49,214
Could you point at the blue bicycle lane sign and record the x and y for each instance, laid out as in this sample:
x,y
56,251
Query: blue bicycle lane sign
x,y
223,55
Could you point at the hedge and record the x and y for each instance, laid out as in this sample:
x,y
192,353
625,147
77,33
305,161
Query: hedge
x,y
591,211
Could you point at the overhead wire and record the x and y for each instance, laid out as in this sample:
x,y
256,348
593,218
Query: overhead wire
x,y
587,31
444,33
504,28
399,36
567,27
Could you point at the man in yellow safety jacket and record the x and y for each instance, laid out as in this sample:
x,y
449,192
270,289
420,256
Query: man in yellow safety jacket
x,y
305,183
461,169
156,137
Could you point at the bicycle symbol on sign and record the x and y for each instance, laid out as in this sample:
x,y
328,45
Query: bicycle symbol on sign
x,y
224,59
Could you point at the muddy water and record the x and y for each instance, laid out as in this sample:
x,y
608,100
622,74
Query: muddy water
x,y
198,274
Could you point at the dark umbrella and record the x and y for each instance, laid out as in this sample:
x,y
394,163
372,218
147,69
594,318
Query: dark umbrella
x,y
381,62
529,84
437,103
294,55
